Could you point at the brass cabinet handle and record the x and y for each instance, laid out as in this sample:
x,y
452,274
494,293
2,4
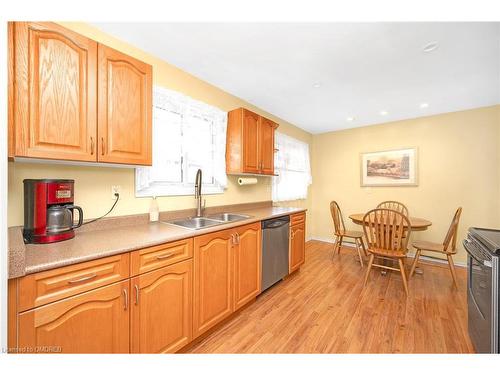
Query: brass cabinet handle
x,y
125,299
233,240
237,236
102,145
136,294
82,279
167,255
91,145
292,234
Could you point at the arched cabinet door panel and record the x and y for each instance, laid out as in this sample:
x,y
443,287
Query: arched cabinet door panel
x,y
125,100
54,95
251,146
162,309
212,279
266,135
247,265
91,322
297,241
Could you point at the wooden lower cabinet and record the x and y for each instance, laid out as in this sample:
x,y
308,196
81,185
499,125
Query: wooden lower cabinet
x,y
212,279
247,265
161,309
158,311
297,245
91,322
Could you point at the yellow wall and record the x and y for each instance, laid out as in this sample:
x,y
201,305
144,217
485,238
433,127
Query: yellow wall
x,y
458,162
93,184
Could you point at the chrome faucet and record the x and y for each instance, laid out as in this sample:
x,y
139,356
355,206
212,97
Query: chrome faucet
x,y
197,194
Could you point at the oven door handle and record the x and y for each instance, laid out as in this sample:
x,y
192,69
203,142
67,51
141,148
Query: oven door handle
x,y
469,276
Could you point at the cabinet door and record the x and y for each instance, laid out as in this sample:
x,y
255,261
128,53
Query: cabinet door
x,y
297,246
55,93
91,322
162,309
250,139
124,118
247,265
267,128
212,280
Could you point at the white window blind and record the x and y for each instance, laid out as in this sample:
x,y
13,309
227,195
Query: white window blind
x,y
187,135
291,163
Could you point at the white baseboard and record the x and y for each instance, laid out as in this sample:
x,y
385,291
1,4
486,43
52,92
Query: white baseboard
x,y
410,255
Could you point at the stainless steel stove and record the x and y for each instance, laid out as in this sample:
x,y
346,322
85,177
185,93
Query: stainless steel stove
x,y
483,248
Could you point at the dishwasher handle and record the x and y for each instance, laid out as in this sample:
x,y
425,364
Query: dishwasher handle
x,y
275,223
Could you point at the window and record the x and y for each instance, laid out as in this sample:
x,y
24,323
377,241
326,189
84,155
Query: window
x,y
291,163
187,135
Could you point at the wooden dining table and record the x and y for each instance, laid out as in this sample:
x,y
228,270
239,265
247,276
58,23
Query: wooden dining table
x,y
416,223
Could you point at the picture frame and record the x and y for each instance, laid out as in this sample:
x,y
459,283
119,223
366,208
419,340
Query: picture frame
x,y
397,167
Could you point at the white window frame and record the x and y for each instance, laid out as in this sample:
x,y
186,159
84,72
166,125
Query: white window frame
x,y
293,169
182,105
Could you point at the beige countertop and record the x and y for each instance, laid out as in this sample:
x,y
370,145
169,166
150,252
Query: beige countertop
x,y
94,244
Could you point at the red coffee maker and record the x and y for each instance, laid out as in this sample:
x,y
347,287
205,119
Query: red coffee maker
x,y
49,210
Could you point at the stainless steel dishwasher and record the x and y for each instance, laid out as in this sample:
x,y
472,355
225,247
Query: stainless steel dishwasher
x,y
275,237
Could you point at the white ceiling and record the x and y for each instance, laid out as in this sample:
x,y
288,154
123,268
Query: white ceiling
x,y
362,68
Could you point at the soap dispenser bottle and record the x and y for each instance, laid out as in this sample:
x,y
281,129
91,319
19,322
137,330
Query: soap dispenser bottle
x,y
154,211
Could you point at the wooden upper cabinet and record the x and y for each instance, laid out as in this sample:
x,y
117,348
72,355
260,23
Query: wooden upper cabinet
x,y
212,279
71,98
250,143
53,98
266,143
91,322
162,310
247,265
251,157
125,108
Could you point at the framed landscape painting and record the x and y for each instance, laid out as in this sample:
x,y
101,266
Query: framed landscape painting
x,y
389,168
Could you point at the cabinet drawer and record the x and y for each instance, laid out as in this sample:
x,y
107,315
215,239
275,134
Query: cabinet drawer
x,y
48,286
297,218
155,257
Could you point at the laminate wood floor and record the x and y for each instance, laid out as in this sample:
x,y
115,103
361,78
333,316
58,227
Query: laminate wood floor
x,y
323,308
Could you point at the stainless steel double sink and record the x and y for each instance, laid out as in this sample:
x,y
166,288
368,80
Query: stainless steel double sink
x,y
207,221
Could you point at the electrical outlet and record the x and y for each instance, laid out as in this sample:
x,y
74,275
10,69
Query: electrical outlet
x,y
115,189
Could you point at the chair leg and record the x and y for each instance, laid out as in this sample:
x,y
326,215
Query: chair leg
x,y
340,244
363,246
358,248
370,262
452,269
334,247
415,261
403,274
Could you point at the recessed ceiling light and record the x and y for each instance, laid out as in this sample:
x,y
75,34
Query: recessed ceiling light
x,y
384,113
350,118
317,85
424,105
431,46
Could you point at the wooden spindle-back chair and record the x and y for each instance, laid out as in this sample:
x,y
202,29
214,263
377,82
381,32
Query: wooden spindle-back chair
x,y
387,232
448,247
340,232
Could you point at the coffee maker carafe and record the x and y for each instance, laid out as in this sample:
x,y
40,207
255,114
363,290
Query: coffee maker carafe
x,y
49,211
